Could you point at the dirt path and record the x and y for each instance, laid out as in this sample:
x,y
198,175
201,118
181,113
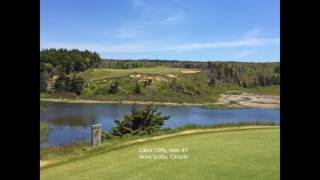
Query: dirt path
x,y
123,102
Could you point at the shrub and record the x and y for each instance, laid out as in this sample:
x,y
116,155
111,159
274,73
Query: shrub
x,y
137,89
113,88
105,136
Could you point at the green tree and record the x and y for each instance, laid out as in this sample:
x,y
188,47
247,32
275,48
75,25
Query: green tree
x,y
69,61
77,85
44,78
59,83
67,83
212,82
277,69
141,121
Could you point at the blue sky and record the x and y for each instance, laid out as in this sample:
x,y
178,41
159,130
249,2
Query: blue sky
x,y
238,30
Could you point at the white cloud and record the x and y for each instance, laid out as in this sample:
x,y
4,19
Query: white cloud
x,y
253,33
174,19
163,47
193,46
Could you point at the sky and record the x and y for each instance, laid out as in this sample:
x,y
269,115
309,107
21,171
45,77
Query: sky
x,y
199,30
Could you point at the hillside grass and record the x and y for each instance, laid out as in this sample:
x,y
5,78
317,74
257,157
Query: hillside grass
x,y
188,88
235,154
268,90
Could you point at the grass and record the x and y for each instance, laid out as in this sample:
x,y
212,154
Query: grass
x,y
44,130
268,90
63,150
75,149
241,154
224,125
99,74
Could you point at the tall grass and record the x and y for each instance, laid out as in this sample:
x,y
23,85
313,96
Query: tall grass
x,y
65,149
44,131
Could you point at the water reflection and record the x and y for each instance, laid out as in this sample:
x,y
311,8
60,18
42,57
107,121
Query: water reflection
x,y
73,121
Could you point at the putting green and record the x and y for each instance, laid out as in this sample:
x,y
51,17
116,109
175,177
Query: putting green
x,y
239,154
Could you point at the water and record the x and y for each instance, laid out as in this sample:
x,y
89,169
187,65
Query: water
x,y
71,122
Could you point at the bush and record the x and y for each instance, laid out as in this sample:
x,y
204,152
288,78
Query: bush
x,y
100,89
140,122
113,88
105,136
176,86
137,89
89,91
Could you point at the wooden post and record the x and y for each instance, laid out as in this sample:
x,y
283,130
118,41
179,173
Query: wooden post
x,y
96,134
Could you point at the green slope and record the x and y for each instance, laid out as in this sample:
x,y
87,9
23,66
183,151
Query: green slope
x,y
167,84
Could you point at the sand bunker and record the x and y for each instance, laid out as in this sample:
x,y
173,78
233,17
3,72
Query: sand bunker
x,y
45,163
141,77
172,76
189,71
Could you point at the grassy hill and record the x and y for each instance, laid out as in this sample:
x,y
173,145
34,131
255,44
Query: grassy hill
x,y
100,74
167,84
234,154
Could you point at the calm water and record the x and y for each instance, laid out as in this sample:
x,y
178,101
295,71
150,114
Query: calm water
x,y
71,122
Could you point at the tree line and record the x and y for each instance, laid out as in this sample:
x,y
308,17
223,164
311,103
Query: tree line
x,y
128,64
58,69
245,75
68,61
63,63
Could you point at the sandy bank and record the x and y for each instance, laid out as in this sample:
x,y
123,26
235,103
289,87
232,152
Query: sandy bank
x,y
244,100
248,100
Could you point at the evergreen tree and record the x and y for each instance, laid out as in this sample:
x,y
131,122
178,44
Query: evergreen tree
x,y
77,85
59,83
44,78
141,121
67,83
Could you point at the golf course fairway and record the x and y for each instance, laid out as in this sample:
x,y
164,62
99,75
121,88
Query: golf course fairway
x,y
227,155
